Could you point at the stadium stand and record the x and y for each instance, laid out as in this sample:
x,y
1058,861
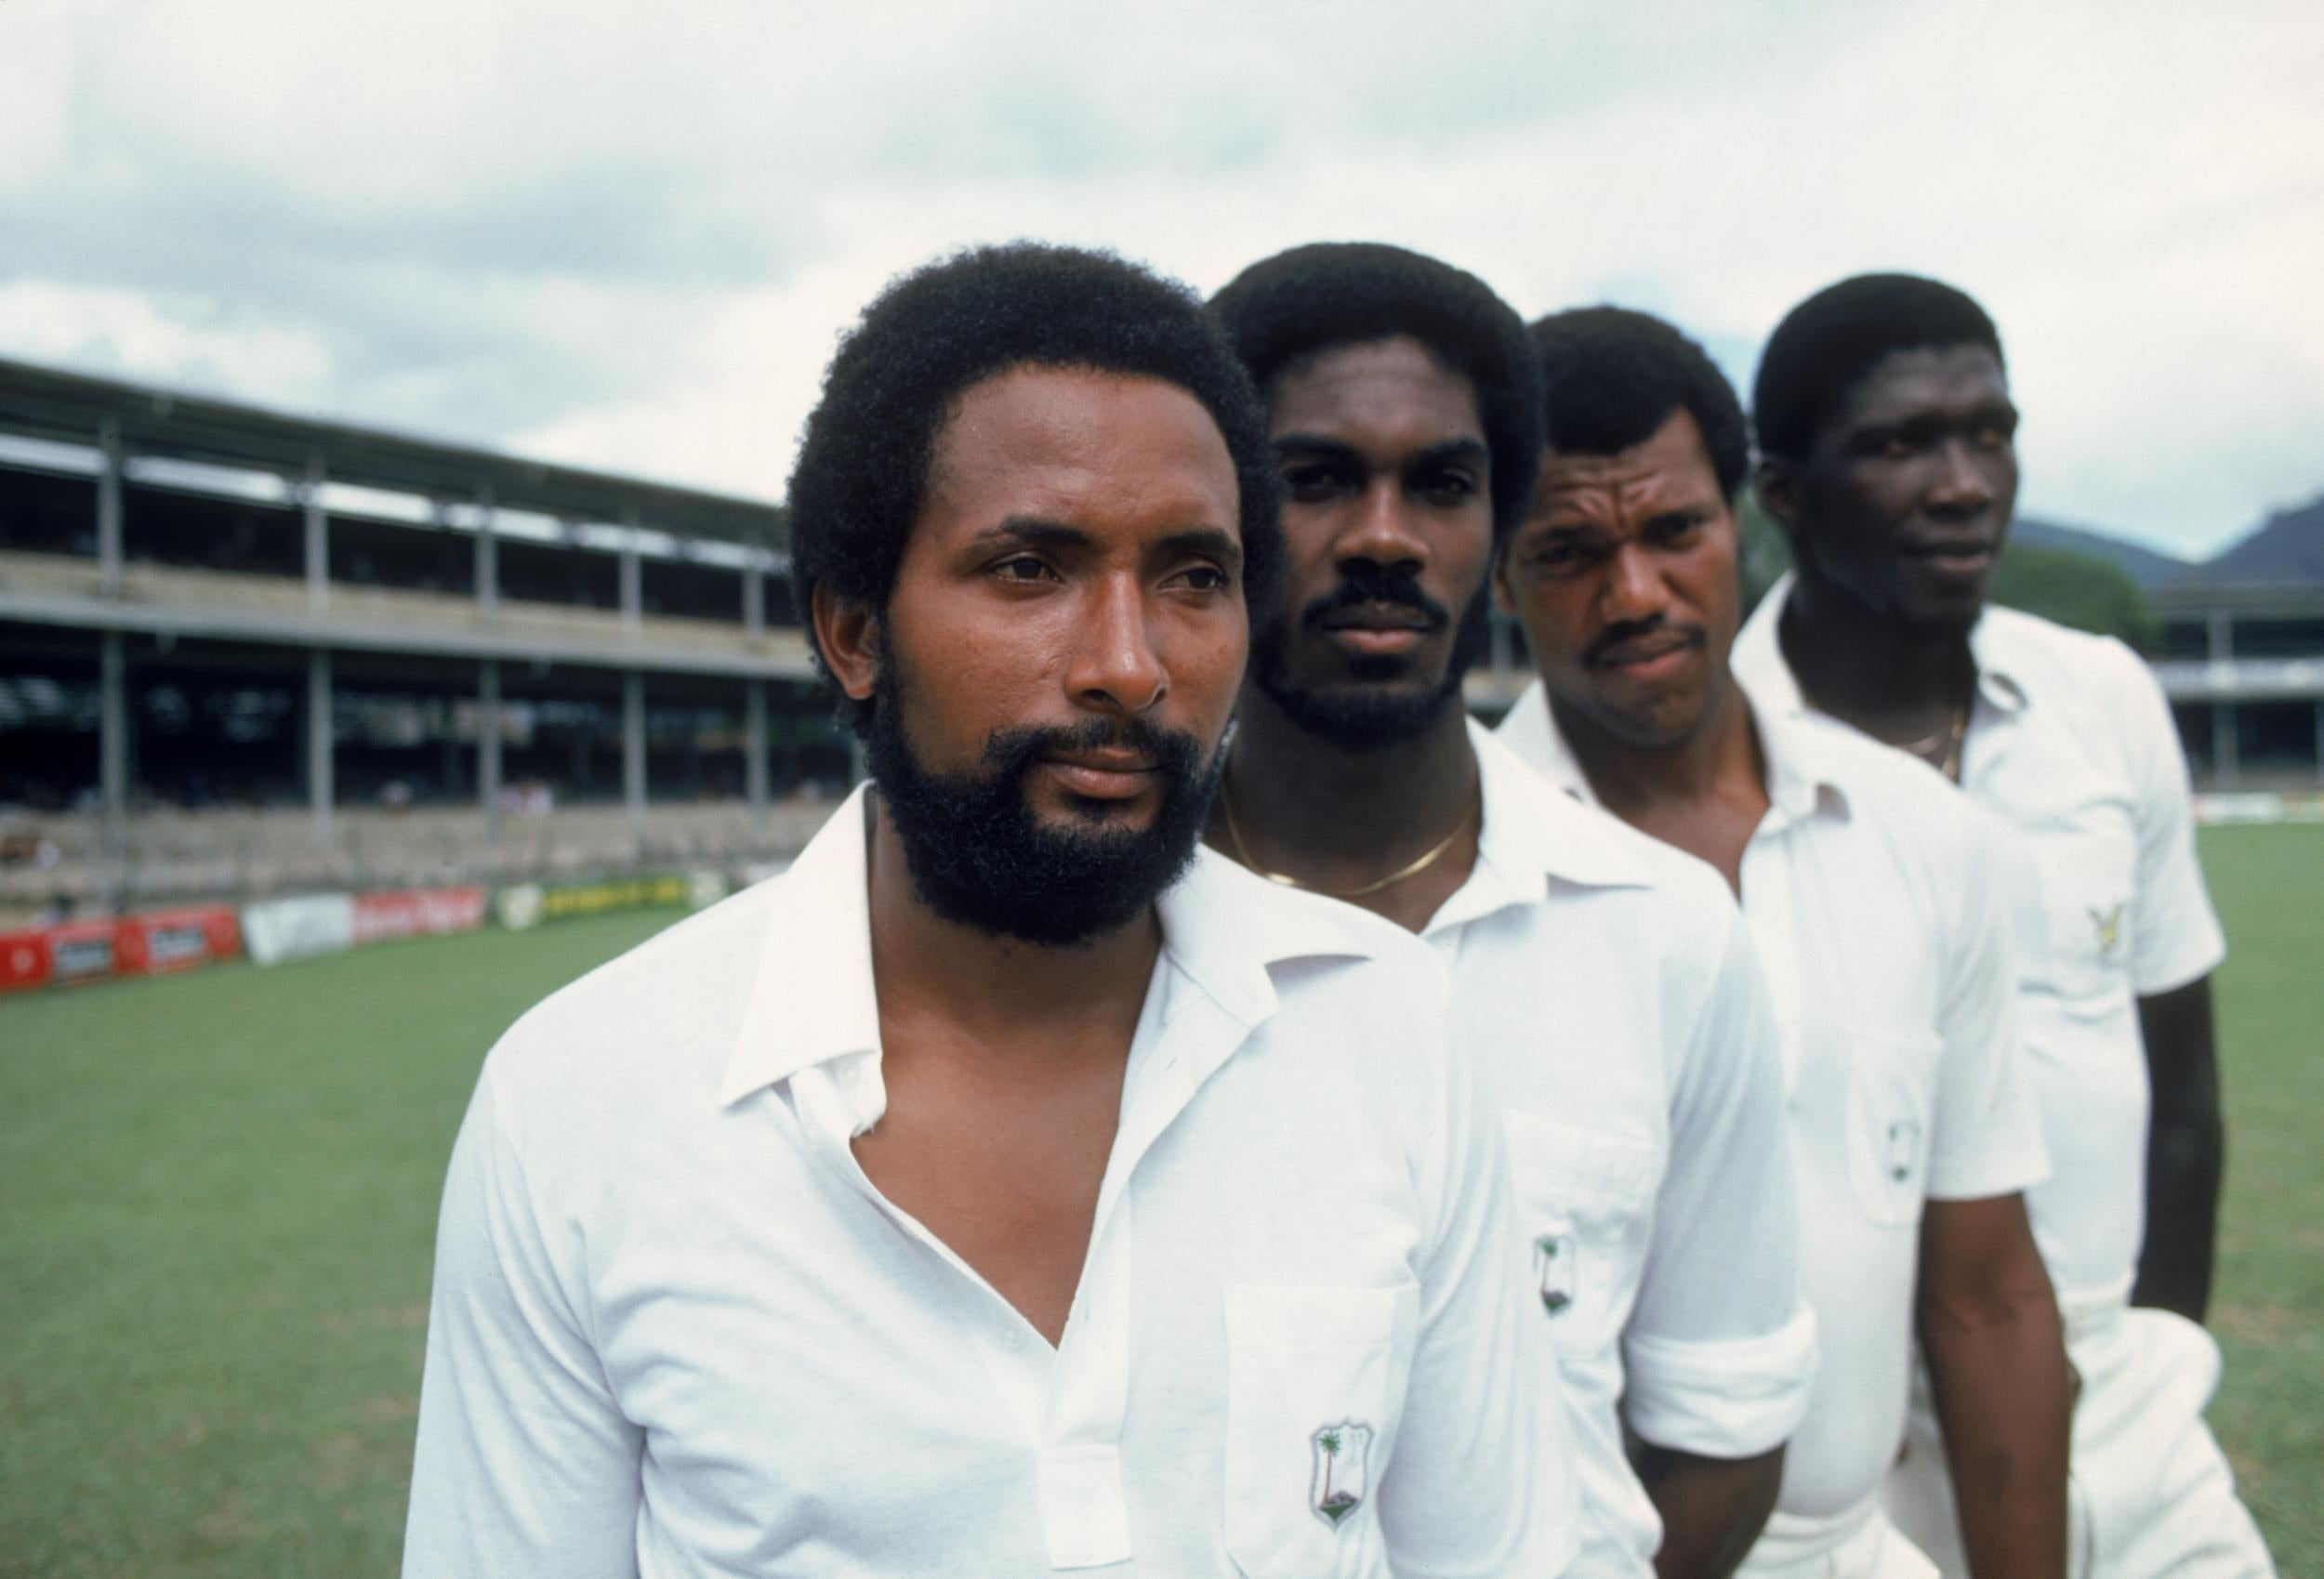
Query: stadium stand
x,y
244,653
2242,662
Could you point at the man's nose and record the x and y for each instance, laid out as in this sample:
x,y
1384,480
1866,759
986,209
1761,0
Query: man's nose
x,y
1383,531
1117,665
1634,588
1964,484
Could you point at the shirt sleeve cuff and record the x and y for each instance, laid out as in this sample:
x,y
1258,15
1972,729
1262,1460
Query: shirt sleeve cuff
x,y
2175,971
1983,1175
1736,1399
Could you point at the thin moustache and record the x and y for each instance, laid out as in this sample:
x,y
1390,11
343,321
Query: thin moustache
x,y
1351,596
1630,648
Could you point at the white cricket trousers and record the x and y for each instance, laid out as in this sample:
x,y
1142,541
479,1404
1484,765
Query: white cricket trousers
x,y
1858,1544
2150,1495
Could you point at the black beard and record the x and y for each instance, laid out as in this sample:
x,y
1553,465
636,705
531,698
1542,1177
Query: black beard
x,y
979,857
1361,719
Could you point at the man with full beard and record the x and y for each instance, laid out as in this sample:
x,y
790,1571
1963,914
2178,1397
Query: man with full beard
x,y
1603,982
1007,1186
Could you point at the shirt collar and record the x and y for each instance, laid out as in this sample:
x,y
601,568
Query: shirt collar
x,y
813,1001
2000,678
1531,833
1800,776
1759,662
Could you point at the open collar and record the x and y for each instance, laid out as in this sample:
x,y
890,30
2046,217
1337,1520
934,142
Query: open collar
x,y
813,1000
1548,835
1532,835
1760,664
1800,780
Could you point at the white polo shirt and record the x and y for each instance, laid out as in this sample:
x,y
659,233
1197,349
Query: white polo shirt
x,y
677,1331
2071,746
1873,895
1607,988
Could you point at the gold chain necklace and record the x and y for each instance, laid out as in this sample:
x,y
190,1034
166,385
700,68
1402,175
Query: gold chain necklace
x,y
1950,735
1242,851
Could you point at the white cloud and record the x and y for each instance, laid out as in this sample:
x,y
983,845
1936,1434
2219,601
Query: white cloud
x,y
166,340
628,236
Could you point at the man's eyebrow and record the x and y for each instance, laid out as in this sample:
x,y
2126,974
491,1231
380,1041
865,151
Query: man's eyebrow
x,y
1033,532
1927,422
1314,444
1209,540
1541,525
1453,450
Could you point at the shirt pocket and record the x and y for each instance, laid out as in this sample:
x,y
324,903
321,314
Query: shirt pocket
x,y
1891,1081
1315,1386
1585,1204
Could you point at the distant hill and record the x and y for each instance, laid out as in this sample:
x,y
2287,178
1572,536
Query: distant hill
x,y
2148,567
2288,547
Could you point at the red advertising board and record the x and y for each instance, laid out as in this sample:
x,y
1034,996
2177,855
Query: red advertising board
x,y
82,951
410,912
163,940
23,959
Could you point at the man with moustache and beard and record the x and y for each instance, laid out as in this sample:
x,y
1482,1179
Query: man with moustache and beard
x,y
1008,1187
1889,458
1602,981
1877,903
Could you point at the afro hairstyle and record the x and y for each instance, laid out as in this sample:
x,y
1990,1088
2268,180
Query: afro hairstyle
x,y
899,374
1291,308
1611,379
1825,346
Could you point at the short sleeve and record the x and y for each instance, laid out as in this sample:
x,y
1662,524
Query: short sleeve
x,y
524,1465
2174,931
1987,1137
1720,1352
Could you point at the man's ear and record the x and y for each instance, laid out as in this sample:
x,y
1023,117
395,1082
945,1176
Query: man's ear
x,y
848,634
1778,485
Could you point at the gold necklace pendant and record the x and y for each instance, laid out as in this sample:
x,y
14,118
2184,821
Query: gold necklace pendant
x,y
1241,851
1941,750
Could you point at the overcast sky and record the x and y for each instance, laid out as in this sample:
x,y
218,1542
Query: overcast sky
x,y
625,235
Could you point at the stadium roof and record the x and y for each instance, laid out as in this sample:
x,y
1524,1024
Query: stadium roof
x,y
75,408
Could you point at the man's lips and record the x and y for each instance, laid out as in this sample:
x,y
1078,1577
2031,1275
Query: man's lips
x,y
1952,553
1377,628
1647,654
1376,616
1105,773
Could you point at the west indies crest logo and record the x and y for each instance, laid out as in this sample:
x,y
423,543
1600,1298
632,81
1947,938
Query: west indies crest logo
x,y
1341,1477
1554,1257
2108,925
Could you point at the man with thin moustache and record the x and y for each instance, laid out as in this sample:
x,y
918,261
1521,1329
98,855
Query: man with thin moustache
x,y
1603,982
1009,1186
1889,458
1880,914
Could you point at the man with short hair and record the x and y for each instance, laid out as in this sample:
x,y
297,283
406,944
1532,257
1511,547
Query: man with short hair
x,y
1603,982
1881,917
1888,457
1009,1186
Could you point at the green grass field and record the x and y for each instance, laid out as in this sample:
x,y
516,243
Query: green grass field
x,y
220,1192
